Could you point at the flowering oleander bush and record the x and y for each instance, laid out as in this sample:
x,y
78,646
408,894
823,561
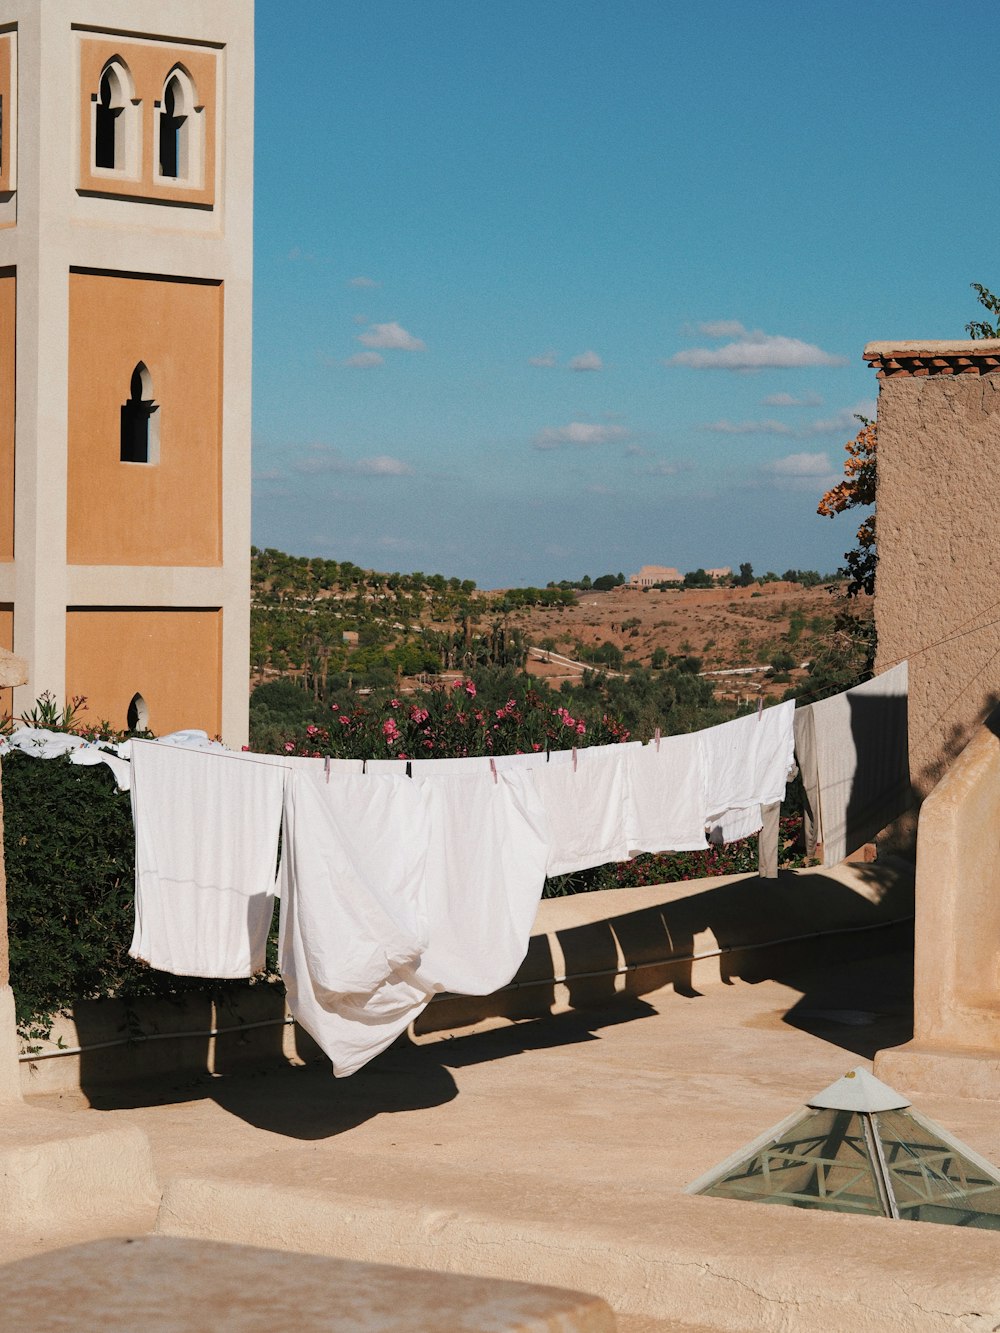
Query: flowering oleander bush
x,y
448,722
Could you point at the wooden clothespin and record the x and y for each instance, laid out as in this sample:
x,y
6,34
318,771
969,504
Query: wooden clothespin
x,y
326,767
656,737
760,707
574,758
493,769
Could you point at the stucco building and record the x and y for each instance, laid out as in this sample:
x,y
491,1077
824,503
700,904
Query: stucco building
x,y
126,137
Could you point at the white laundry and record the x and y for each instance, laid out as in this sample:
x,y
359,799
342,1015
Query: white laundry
x,y
584,801
206,839
41,743
484,844
486,865
747,763
665,795
355,851
854,758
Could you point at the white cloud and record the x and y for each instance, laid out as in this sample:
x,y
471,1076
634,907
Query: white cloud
x,y
722,328
547,360
361,281
581,433
787,400
752,350
586,361
799,465
801,472
382,465
769,427
363,360
392,336
322,459
846,419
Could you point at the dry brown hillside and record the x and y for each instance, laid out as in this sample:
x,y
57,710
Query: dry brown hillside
x,y
726,628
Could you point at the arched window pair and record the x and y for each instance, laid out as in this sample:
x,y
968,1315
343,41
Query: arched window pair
x,y
140,420
178,126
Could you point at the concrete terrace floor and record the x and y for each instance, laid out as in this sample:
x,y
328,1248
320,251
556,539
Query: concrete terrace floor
x,y
556,1150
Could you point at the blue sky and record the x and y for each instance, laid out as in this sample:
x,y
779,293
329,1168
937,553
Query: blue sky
x,y
547,288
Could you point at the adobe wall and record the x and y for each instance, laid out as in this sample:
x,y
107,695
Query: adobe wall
x,y
937,591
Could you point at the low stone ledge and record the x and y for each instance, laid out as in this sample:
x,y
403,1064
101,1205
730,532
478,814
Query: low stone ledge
x,y
161,1284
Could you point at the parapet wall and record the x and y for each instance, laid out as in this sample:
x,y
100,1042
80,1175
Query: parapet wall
x,y
937,592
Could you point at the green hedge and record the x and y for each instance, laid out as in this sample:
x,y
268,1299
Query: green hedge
x,y
70,858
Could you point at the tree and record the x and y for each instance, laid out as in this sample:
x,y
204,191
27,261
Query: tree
x,y
745,576
979,328
857,489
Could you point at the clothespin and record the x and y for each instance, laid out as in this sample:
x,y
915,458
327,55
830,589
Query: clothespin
x,y
574,758
760,707
364,766
656,737
326,768
409,769
493,769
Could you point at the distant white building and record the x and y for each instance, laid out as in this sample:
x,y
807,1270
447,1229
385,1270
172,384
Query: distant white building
x,y
650,575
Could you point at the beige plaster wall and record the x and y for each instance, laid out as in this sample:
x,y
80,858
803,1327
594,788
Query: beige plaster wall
x,y
62,226
937,594
957,962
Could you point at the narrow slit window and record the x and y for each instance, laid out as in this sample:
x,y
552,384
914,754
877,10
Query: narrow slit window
x,y
137,717
108,148
140,420
173,131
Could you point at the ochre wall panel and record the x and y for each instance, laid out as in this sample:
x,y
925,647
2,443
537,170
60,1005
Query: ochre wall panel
x,y
172,658
8,314
149,63
164,513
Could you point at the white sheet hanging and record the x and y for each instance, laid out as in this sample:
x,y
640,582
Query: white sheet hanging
x,y
665,795
485,845
585,803
747,762
206,840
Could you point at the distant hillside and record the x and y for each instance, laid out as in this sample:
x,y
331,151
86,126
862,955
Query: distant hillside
x,y
330,624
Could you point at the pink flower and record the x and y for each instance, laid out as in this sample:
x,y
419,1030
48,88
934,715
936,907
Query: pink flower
x,y
344,721
393,703
289,747
581,728
418,715
470,689
390,730
335,708
311,730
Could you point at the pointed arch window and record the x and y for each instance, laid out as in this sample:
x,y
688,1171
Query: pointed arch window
x,y
140,420
115,121
180,131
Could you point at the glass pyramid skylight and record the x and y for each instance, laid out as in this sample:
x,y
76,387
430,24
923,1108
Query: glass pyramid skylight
x,y
859,1147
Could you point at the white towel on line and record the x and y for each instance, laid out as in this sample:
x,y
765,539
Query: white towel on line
x,y
485,844
747,762
206,839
